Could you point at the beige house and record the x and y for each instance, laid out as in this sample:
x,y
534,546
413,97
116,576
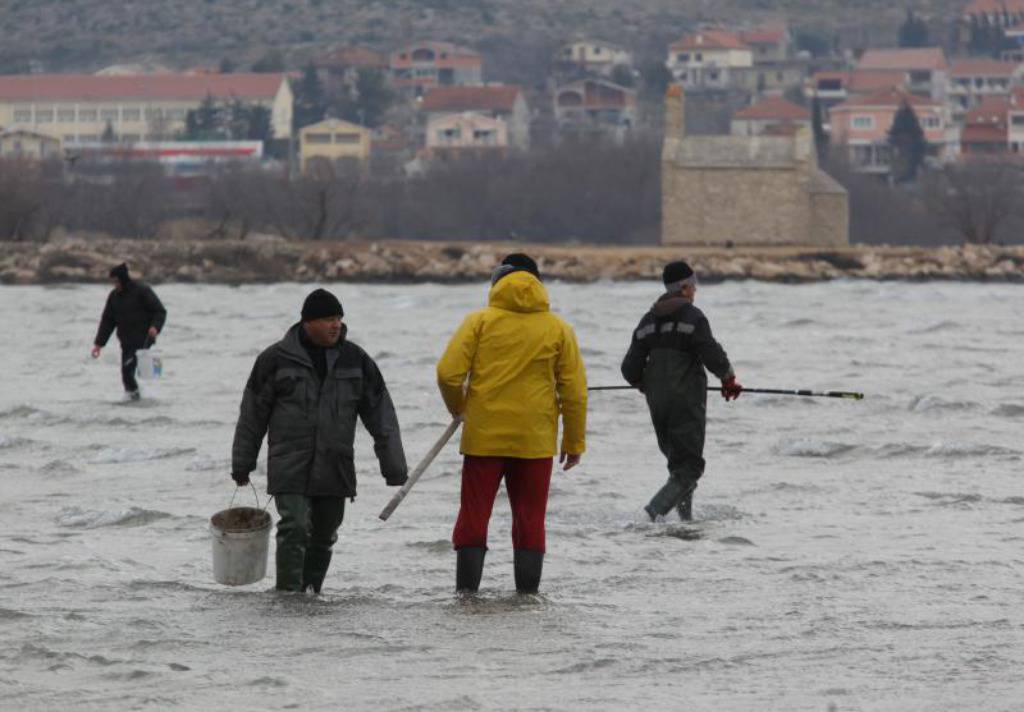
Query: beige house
x,y
592,56
468,131
506,102
746,190
333,142
29,145
79,108
707,59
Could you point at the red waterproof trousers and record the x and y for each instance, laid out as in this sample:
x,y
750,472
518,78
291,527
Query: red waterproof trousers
x,y
527,482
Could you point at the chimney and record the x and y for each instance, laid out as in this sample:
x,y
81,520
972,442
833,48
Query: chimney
x,y
675,120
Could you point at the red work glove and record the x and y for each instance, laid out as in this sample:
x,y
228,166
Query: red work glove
x,y
731,388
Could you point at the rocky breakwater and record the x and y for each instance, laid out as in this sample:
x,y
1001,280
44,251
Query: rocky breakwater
x,y
269,259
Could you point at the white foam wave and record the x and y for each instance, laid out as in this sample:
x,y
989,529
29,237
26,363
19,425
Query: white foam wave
x,y
78,518
811,447
117,455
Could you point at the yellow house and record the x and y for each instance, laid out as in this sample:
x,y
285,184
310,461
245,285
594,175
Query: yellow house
x,y
152,107
29,144
333,142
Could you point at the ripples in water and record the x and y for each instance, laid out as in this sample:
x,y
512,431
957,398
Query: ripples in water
x,y
117,455
78,518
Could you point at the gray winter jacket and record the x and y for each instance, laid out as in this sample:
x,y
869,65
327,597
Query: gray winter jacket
x,y
310,426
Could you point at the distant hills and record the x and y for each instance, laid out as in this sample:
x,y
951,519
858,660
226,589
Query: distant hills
x,y
84,35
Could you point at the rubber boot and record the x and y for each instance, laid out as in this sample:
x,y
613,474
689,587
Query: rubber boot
x,y
469,567
528,566
672,493
289,568
685,508
315,569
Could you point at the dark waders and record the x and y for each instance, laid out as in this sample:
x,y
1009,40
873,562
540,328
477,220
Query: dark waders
x,y
306,532
675,388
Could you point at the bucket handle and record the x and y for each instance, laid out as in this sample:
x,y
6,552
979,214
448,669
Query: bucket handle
x,y
254,494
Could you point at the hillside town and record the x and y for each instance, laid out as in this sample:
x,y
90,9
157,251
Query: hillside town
x,y
726,104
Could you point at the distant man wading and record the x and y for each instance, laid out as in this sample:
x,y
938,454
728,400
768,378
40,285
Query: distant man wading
x,y
135,311
305,393
666,360
510,370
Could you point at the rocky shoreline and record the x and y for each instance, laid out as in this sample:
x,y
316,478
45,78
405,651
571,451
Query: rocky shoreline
x,y
263,259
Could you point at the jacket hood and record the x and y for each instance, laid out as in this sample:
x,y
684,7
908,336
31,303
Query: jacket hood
x,y
668,303
519,292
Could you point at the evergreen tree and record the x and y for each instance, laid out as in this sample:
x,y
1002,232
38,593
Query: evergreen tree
x,y
108,133
821,139
310,104
260,127
914,31
908,144
204,123
370,101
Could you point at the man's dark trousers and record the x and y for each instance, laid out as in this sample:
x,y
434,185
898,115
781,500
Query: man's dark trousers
x,y
306,532
128,366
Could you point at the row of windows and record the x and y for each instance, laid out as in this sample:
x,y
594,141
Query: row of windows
x,y
980,82
69,114
479,135
867,123
322,138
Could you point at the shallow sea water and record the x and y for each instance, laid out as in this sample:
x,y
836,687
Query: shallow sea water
x,y
845,555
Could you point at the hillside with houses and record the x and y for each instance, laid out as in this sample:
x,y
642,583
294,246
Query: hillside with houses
x,y
558,134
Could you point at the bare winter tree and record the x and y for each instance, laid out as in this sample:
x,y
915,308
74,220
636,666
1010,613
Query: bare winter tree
x,y
976,198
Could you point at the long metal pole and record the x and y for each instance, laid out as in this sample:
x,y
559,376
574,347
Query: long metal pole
x,y
420,468
773,391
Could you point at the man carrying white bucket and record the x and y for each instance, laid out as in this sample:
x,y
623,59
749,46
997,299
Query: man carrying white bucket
x,y
305,394
136,312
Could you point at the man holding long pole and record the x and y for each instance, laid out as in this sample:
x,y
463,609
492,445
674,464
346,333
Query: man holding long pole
x,y
510,370
670,349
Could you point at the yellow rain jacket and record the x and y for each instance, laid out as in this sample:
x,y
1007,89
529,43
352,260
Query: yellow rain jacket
x,y
523,368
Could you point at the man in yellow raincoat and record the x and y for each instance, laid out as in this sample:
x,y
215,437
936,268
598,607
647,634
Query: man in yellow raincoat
x,y
509,371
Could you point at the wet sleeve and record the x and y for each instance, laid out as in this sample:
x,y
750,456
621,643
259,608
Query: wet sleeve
x,y
107,325
635,361
377,412
157,313
709,351
253,416
456,362
571,386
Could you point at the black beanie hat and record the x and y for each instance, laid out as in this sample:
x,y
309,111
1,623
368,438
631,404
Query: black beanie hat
x,y
120,273
319,304
676,272
515,262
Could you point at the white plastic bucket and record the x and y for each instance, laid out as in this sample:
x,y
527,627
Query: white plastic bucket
x,y
148,364
241,542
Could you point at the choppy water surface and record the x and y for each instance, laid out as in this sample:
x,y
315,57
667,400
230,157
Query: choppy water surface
x,y
845,556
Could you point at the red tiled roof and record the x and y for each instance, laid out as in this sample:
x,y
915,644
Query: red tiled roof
x,y
988,7
992,112
982,67
195,87
885,98
774,108
710,39
771,33
906,59
494,97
